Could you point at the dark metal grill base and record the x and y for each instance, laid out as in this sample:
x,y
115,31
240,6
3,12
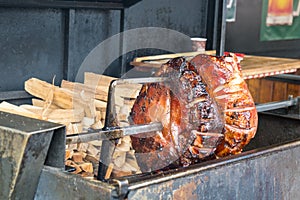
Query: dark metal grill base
x,y
268,169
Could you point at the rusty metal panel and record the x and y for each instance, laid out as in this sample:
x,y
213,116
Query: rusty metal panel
x,y
24,144
268,175
188,17
31,46
59,185
87,29
268,169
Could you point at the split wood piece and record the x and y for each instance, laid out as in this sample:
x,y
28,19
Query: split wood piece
x,y
89,91
68,154
96,143
62,97
109,171
73,164
93,150
119,158
88,175
98,116
81,100
41,103
100,81
93,79
86,167
94,161
72,147
73,128
119,173
64,116
87,122
97,125
82,147
100,105
78,157
91,159
128,91
10,108
40,89
131,160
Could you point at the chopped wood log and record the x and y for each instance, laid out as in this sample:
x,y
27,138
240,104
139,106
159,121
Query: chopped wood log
x,y
97,79
64,116
68,154
91,159
126,139
73,164
87,175
92,150
62,97
73,128
120,173
87,122
131,160
100,105
41,103
10,108
40,89
78,157
81,100
82,147
109,171
96,143
71,147
88,90
119,160
97,125
124,147
129,91
87,167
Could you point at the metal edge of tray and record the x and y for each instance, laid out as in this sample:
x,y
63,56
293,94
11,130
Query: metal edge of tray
x,y
26,145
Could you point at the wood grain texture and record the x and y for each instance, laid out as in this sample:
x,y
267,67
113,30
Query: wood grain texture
x,y
252,66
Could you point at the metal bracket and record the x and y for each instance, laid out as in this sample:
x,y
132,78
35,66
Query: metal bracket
x,y
276,105
122,188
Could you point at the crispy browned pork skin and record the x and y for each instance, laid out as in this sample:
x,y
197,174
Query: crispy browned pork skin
x,y
205,108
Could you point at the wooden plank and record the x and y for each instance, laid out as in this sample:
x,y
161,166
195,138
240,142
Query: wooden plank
x,y
261,66
279,91
266,91
293,89
163,57
254,86
252,66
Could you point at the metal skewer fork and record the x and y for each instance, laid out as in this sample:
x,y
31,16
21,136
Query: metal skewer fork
x,y
113,133
111,120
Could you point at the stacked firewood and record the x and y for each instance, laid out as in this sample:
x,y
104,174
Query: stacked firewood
x,y
82,106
